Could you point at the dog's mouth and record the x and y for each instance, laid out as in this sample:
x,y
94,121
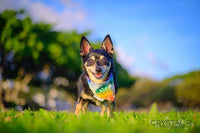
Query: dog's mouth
x,y
97,75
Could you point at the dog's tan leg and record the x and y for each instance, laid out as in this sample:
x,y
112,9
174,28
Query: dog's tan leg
x,y
79,106
103,109
110,109
85,106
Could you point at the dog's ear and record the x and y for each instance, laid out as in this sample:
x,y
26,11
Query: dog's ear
x,y
85,47
107,45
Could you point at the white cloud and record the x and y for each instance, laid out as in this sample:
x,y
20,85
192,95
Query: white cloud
x,y
124,58
73,16
130,63
142,73
155,61
39,12
9,4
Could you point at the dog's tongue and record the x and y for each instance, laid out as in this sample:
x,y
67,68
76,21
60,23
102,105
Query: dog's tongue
x,y
98,75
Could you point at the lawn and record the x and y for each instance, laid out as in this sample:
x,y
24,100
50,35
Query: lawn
x,y
56,122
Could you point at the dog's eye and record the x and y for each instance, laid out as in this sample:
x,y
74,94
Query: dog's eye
x,y
104,61
90,61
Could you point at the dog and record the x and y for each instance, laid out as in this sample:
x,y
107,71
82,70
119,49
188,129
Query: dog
x,y
97,84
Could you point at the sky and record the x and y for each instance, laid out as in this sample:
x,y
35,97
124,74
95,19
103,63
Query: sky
x,y
152,38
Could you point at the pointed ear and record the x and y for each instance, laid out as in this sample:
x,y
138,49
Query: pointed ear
x,y
107,45
85,46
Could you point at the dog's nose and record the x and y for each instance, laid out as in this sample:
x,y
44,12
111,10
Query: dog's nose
x,y
98,69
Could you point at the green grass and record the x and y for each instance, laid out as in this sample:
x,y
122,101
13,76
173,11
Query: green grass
x,y
52,121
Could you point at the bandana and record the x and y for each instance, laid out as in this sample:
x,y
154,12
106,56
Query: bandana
x,y
103,91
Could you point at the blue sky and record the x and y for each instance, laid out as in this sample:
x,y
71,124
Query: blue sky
x,y
154,38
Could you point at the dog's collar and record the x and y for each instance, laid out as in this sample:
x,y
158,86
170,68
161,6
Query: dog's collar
x,y
104,90
108,77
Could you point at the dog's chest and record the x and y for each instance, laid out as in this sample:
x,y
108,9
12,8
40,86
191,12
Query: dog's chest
x,y
104,90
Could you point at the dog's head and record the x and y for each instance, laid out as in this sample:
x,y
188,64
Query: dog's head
x,y
97,63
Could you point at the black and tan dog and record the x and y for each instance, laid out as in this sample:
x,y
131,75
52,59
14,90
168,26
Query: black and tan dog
x,y
97,84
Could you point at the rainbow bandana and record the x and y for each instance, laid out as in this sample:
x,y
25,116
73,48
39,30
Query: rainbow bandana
x,y
103,91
